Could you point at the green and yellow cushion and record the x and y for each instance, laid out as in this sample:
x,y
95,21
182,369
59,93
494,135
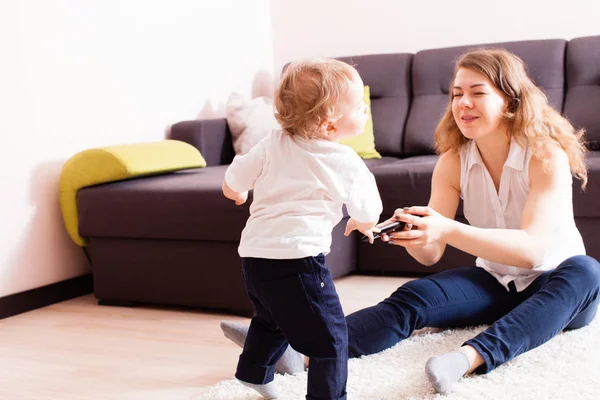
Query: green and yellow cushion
x,y
364,144
107,164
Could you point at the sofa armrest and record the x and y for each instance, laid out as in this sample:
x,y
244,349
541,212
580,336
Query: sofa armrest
x,y
115,163
211,136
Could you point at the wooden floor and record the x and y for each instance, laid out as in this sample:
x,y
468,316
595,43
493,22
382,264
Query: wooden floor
x,y
77,350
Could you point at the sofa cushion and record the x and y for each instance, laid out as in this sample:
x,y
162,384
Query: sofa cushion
x,y
182,205
388,77
582,100
189,205
249,120
432,71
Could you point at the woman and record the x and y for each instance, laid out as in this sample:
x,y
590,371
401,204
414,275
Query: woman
x,y
511,158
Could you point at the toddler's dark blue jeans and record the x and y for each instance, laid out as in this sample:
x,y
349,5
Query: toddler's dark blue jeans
x,y
295,302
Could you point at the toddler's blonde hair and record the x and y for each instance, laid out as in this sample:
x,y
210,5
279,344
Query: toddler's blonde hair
x,y
308,94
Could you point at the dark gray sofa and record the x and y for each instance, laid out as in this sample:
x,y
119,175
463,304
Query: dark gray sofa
x,y
172,239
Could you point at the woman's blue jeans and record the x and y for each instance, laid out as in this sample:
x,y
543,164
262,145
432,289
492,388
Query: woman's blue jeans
x,y
564,298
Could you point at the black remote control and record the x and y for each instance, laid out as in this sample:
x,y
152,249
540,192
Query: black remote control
x,y
391,227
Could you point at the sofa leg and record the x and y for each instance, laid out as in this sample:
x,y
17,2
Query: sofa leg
x,y
117,303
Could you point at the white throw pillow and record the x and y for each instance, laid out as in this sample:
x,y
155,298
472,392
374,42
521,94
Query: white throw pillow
x,y
249,121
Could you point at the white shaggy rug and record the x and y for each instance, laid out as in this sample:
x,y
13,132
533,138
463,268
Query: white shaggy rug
x,y
567,367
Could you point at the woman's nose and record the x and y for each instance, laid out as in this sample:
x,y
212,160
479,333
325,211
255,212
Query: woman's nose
x,y
465,101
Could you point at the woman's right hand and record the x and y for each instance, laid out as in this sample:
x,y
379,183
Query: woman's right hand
x,y
426,227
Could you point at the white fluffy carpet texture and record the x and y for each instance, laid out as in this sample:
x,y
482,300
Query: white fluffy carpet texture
x,y
567,367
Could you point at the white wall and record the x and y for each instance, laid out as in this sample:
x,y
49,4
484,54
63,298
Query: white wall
x,y
330,28
76,74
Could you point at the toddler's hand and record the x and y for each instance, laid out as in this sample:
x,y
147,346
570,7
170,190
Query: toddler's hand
x,y
353,225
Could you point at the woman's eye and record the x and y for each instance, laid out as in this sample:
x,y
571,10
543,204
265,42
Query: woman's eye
x,y
456,95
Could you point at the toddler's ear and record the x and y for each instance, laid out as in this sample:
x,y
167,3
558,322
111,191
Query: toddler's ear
x,y
328,129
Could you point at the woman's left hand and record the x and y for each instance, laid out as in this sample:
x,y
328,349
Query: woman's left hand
x,y
428,226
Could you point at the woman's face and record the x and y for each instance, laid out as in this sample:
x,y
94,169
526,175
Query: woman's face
x,y
478,106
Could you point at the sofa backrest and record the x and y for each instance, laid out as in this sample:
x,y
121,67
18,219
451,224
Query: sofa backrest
x,y
582,98
388,76
432,71
409,94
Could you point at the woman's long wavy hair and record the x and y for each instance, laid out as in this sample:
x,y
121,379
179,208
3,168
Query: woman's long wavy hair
x,y
531,120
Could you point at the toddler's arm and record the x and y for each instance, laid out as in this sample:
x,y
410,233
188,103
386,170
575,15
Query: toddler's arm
x,y
239,198
243,173
364,203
